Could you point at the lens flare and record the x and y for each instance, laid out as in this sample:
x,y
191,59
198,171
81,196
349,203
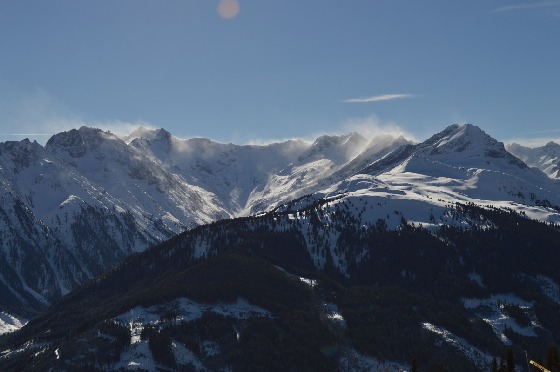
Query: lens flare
x,y
228,9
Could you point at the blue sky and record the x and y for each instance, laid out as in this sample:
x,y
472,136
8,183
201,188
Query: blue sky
x,y
269,70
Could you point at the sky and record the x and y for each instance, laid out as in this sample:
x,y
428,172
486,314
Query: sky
x,y
256,71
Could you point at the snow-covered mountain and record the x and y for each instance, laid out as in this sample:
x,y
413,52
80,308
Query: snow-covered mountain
x,y
79,206
230,172
546,158
319,283
86,200
438,217
460,164
249,179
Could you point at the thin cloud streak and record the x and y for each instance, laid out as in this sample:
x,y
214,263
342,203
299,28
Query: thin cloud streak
x,y
37,115
383,97
538,5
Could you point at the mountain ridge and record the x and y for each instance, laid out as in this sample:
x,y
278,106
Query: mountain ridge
x,y
99,198
546,158
438,287
392,213
96,199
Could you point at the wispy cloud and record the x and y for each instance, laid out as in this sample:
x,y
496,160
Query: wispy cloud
x,y
525,6
119,128
371,126
37,115
265,142
383,97
368,126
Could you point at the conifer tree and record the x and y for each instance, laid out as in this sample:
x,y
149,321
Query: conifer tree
x,y
553,358
494,367
510,361
502,367
414,365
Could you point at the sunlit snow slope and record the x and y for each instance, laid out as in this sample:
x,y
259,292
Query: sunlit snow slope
x,y
86,200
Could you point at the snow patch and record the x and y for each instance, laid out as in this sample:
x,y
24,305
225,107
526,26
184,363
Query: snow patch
x,y
29,345
138,355
185,357
10,323
241,309
352,360
210,348
479,358
310,282
492,311
475,277
550,288
334,315
71,200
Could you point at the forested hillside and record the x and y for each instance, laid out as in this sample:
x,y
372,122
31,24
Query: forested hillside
x,y
451,296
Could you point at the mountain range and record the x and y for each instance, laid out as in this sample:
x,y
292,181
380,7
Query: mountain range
x,y
546,158
89,201
86,200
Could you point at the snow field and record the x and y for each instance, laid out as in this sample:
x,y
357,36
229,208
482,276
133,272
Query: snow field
x,y
479,358
10,323
138,355
491,310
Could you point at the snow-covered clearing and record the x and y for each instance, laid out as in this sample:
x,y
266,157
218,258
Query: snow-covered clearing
x,y
30,345
352,360
138,355
550,288
334,315
481,359
492,311
310,282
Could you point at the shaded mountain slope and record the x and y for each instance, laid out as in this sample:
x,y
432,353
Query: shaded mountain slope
x,y
66,219
394,293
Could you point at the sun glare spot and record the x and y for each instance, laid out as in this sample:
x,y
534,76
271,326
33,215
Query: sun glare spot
x,y
228,9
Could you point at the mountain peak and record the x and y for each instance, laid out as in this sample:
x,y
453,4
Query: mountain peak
x,y
336,148
546,158
552,145
353,137
456,149
466,138
71,141
148,134
163,135
21,152
76,142
161,132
